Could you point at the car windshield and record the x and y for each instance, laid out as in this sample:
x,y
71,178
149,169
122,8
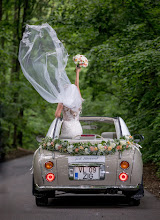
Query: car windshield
x,y
97,127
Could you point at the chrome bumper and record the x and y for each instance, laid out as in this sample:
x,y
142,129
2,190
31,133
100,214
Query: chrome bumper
x,y
81,187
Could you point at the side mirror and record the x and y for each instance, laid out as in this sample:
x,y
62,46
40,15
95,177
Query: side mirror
x,y
138,138
39,138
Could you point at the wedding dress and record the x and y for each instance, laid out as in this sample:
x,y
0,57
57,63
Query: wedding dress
x,y
71,126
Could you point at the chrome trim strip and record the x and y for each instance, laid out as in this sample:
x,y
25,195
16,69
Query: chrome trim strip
x,y
133,162
120,128
95,118
43,188
85,164
55,128
40,162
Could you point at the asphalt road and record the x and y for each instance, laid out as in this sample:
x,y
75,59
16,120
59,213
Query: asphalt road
x,y
17,202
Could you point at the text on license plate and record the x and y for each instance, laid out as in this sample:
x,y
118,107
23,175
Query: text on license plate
x,y
86,173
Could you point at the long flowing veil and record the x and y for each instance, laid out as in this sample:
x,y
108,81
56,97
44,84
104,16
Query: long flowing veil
x,y
43,59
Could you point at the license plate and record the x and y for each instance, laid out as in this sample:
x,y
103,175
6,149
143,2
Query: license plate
x,y
86,173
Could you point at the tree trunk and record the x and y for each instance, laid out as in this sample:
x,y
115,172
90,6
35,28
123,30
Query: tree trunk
x,y
20,133
20,31
15,65
25,10
0,10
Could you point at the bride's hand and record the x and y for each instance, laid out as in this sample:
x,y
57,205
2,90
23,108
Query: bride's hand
x,y
78,69
59,110
58,114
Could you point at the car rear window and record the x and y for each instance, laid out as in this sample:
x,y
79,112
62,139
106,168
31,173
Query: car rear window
x,y
97,127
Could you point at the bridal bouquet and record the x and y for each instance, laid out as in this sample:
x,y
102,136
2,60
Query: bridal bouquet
x,y
80,60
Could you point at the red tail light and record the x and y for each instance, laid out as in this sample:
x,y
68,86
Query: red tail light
x,y
123,177
50,177
88,135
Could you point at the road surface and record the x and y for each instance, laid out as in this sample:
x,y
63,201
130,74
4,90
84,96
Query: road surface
x,y
17,202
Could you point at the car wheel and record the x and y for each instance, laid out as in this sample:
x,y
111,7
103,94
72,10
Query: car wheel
x,y
2,157
134,202
41,201
33,185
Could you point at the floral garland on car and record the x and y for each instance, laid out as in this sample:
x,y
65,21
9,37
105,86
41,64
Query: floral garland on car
x,y
103,148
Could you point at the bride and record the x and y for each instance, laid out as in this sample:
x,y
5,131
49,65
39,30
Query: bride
x,y
71,126
43,59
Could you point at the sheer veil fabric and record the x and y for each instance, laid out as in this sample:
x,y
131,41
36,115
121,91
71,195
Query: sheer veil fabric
x,y
43,59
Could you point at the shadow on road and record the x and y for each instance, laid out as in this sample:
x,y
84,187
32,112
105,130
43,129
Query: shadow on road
x,y
87,201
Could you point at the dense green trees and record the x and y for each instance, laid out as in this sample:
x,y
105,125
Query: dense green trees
x,y
121,40
15,90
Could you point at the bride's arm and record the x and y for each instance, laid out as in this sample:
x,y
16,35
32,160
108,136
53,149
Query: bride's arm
x,y
59,110
78,69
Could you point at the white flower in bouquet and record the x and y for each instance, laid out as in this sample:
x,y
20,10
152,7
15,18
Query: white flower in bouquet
x,y
122,142
80,60
86,151
56,146
101,147
129,137
70,148
112,144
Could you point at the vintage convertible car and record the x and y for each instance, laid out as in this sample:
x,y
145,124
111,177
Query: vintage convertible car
x,y
105,159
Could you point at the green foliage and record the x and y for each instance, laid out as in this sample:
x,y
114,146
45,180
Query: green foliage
x,y
122,43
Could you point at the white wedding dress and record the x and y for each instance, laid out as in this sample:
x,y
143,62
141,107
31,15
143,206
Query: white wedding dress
x,y
71,126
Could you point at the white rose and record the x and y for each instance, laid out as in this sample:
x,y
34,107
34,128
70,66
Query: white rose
x,y
70,148
122,142
56,146
86,151
101,147
127,137
48,144
112,144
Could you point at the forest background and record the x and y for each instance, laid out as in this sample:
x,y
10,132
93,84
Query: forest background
x,y
121,39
